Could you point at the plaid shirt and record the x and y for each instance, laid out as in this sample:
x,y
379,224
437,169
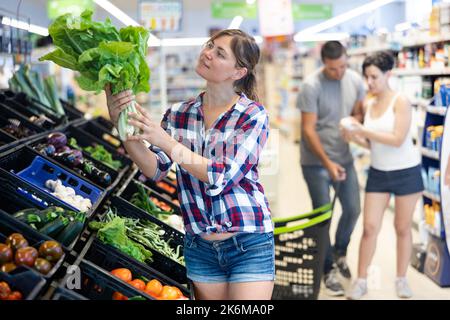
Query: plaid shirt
x,y
232,200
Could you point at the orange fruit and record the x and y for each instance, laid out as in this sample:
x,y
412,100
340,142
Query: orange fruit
x,y
122,273
119,296
178,291
138,284
154,288
169,293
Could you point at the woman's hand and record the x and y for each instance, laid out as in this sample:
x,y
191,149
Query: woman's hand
x,y
150,130
116,103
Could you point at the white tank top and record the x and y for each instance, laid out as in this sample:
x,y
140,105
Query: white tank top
x,y
385,157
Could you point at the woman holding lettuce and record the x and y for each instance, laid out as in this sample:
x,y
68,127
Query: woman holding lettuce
x,y
215,140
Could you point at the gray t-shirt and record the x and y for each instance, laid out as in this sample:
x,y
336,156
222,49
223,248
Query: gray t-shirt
x,y
331,100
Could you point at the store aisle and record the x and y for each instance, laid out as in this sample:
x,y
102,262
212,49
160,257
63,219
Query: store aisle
x,y
294,199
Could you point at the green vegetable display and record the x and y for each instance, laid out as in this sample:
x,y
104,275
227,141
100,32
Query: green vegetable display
x,y
45,91
141,199
114,232
103,56
131,235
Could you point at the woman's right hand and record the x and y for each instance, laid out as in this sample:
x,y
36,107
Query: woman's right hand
x,y
116,103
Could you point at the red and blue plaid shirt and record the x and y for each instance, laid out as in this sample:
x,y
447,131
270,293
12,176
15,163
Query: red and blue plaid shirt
x,y
232,200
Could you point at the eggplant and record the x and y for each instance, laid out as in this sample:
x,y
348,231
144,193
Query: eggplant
x,y
58,139
46,149
97,175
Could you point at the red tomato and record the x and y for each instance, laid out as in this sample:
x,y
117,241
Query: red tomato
x,y
123,273
138,284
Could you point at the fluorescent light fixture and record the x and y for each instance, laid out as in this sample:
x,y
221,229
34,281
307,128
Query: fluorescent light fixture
x,y
236,22
342,18
179,42
188,42
329,36
124,18
117,13
25,26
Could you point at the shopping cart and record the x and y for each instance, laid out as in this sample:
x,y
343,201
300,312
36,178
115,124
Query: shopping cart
x,y
300,248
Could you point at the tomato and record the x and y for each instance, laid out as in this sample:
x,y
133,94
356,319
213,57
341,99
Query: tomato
x,y
8,267
138,284
154,288
15,295
42,265
178,291
119,296
16,241
6,253
26,256
168,293
5,290
122,273
51,251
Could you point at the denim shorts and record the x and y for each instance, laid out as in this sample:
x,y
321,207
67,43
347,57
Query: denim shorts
x,y
398,182
245,257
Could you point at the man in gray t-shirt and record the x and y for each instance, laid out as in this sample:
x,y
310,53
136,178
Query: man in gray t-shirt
x,y
330,94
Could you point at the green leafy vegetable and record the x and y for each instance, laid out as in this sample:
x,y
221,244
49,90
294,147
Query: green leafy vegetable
x,y
113,232
103,56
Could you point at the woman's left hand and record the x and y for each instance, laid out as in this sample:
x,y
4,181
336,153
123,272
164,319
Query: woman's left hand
x,y
150,130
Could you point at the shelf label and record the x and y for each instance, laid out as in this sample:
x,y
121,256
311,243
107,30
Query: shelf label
x,y
161,16
229,9
56,8
310,11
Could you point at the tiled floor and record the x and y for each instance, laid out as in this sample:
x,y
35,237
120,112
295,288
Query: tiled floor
x,y
293,198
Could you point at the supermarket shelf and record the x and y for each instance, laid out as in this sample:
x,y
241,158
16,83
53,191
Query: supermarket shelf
x,y
427,40
421,72
432,196
372,49
440,111
430,153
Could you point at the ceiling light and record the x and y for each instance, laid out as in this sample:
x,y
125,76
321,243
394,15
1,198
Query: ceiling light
x,y
124,18
25,26
251,2
236,22
329,36
342,18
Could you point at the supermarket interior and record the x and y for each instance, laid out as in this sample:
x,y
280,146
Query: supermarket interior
x,y
353,207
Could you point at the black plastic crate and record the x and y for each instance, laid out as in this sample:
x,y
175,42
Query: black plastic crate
x,y
36,106
171,195
27,282
108,260
300,254
16,160
20,105
72,113
99,284
9,225
115,175
131,188
103,134
11,203
64,294
6,140
104,123
8,117
161,263
33,117
85,139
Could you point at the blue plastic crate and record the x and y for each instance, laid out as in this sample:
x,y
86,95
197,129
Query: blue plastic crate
x,y
42,170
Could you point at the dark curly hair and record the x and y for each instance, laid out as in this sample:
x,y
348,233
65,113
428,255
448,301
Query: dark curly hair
x,y
383,60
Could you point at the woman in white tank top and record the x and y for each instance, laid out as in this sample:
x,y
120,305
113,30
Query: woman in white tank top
x,y
395,169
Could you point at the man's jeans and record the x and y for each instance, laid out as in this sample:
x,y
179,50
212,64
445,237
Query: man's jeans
x,y
319,183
